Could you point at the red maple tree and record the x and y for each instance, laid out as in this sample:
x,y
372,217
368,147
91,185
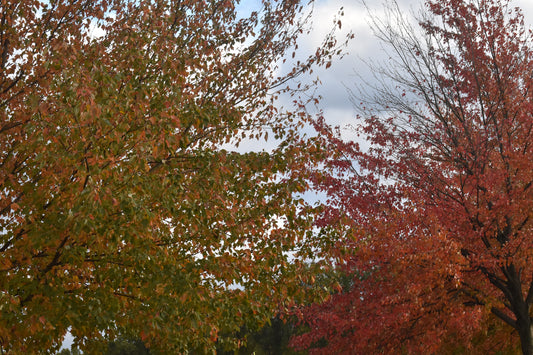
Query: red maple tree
x,y
436,214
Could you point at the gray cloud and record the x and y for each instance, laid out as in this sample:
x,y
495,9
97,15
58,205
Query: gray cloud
x,y
352,71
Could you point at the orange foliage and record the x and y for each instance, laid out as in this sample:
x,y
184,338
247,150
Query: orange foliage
x,y
119,211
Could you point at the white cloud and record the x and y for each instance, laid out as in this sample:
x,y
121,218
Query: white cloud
x,y
338,108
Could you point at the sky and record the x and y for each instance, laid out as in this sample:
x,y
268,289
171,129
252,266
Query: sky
x,y
343,74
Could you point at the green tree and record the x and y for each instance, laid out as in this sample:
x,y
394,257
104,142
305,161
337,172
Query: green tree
x,y
119,211
69,352
271,339
122,346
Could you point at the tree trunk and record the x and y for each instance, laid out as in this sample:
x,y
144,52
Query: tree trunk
x,y
521,306
518,304
526,338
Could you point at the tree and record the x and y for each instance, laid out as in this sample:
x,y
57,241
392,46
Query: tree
x,y
434,217
120,213
272,338
126,347
69,352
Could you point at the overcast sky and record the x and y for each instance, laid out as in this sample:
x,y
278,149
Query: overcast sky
x,y
343,74
336,104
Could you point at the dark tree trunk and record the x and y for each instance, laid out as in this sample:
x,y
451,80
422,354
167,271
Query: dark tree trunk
x,y
520,306
526,340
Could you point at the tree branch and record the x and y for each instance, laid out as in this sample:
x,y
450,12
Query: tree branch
x,y
500,314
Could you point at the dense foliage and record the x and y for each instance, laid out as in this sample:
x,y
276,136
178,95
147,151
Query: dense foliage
x,y
436,214
119,211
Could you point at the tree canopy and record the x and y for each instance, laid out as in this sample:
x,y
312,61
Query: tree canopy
x,y
434,216
120,213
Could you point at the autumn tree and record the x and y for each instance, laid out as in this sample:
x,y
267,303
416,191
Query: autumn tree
x,y
120,213
434,211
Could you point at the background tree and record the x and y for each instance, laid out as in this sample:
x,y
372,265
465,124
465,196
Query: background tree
x,y
271,339
436,213
120,214
126,347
